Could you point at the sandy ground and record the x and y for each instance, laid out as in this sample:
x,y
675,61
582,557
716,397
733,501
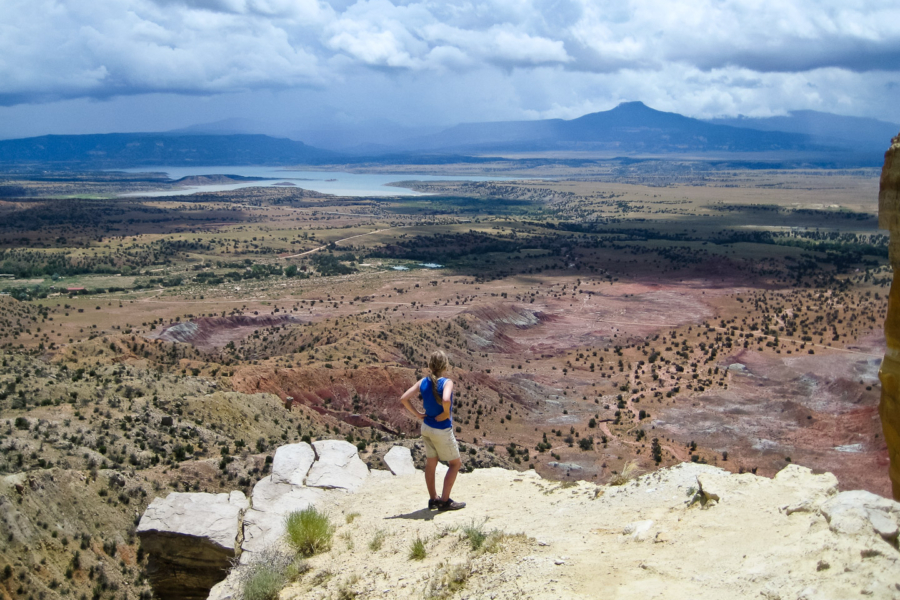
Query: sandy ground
x,y
640,540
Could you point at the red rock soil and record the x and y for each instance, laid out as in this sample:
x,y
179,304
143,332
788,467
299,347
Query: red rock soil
x,y
814,409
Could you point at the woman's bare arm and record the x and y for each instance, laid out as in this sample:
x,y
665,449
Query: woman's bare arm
x,y
446,397
404,399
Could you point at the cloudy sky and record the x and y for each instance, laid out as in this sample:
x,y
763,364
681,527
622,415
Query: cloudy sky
x,y
78,66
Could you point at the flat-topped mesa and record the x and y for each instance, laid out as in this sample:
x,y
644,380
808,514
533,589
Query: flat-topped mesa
x,y
889,218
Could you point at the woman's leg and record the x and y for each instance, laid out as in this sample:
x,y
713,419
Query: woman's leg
x,y
449,479
430,466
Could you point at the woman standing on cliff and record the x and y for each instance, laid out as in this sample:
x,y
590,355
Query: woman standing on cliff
x,y
437,428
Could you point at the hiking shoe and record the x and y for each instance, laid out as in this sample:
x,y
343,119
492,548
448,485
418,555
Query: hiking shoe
x,y
450,504
434,503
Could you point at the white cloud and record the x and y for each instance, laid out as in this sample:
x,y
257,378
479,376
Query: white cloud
x,y
763,35
519,57
499,44
108,47
377,33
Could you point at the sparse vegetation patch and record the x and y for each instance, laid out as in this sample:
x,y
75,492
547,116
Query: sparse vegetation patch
x,y
309,531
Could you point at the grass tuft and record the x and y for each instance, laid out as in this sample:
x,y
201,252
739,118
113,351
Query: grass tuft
x,y
475,533
417,550
264,583
377,541
629,472
266,574
348,539
494,542
447,581
308,531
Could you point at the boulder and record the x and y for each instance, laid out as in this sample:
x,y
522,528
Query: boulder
x,y
860,511
380,474
399,460
337,466
292,463
190,540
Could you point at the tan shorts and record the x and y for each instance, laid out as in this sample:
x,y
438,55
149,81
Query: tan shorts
x,y
440,443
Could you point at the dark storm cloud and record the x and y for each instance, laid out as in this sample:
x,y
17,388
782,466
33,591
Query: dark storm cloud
x,y
854,55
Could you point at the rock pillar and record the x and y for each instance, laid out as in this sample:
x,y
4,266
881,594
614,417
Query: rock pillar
x,y
889,218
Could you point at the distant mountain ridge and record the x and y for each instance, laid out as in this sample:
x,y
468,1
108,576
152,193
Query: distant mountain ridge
x,y
851,132
629,127
362,137
122,150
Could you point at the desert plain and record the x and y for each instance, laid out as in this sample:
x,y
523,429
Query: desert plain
x,y
603,320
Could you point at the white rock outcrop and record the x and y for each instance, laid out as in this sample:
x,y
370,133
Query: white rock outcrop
x,y
677,533
645,539
400,461
277,495
191,537
292,463
337,466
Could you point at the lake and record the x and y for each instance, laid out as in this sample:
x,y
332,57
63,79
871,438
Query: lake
x,y
326,182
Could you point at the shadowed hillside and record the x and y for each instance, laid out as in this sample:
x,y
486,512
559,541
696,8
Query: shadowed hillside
x,y
119,150
629,127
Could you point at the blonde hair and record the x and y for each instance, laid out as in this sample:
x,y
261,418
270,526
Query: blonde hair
x,y
437,364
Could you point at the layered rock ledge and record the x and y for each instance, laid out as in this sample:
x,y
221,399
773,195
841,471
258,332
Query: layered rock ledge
x,y
190,539
889,218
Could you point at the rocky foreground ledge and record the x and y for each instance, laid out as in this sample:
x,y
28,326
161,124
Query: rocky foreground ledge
x,y
688,531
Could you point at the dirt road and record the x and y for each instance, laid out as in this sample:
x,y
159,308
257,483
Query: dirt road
x,y
344,240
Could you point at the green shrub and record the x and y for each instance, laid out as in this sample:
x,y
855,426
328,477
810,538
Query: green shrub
x,y
417,550
264,583
309,531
